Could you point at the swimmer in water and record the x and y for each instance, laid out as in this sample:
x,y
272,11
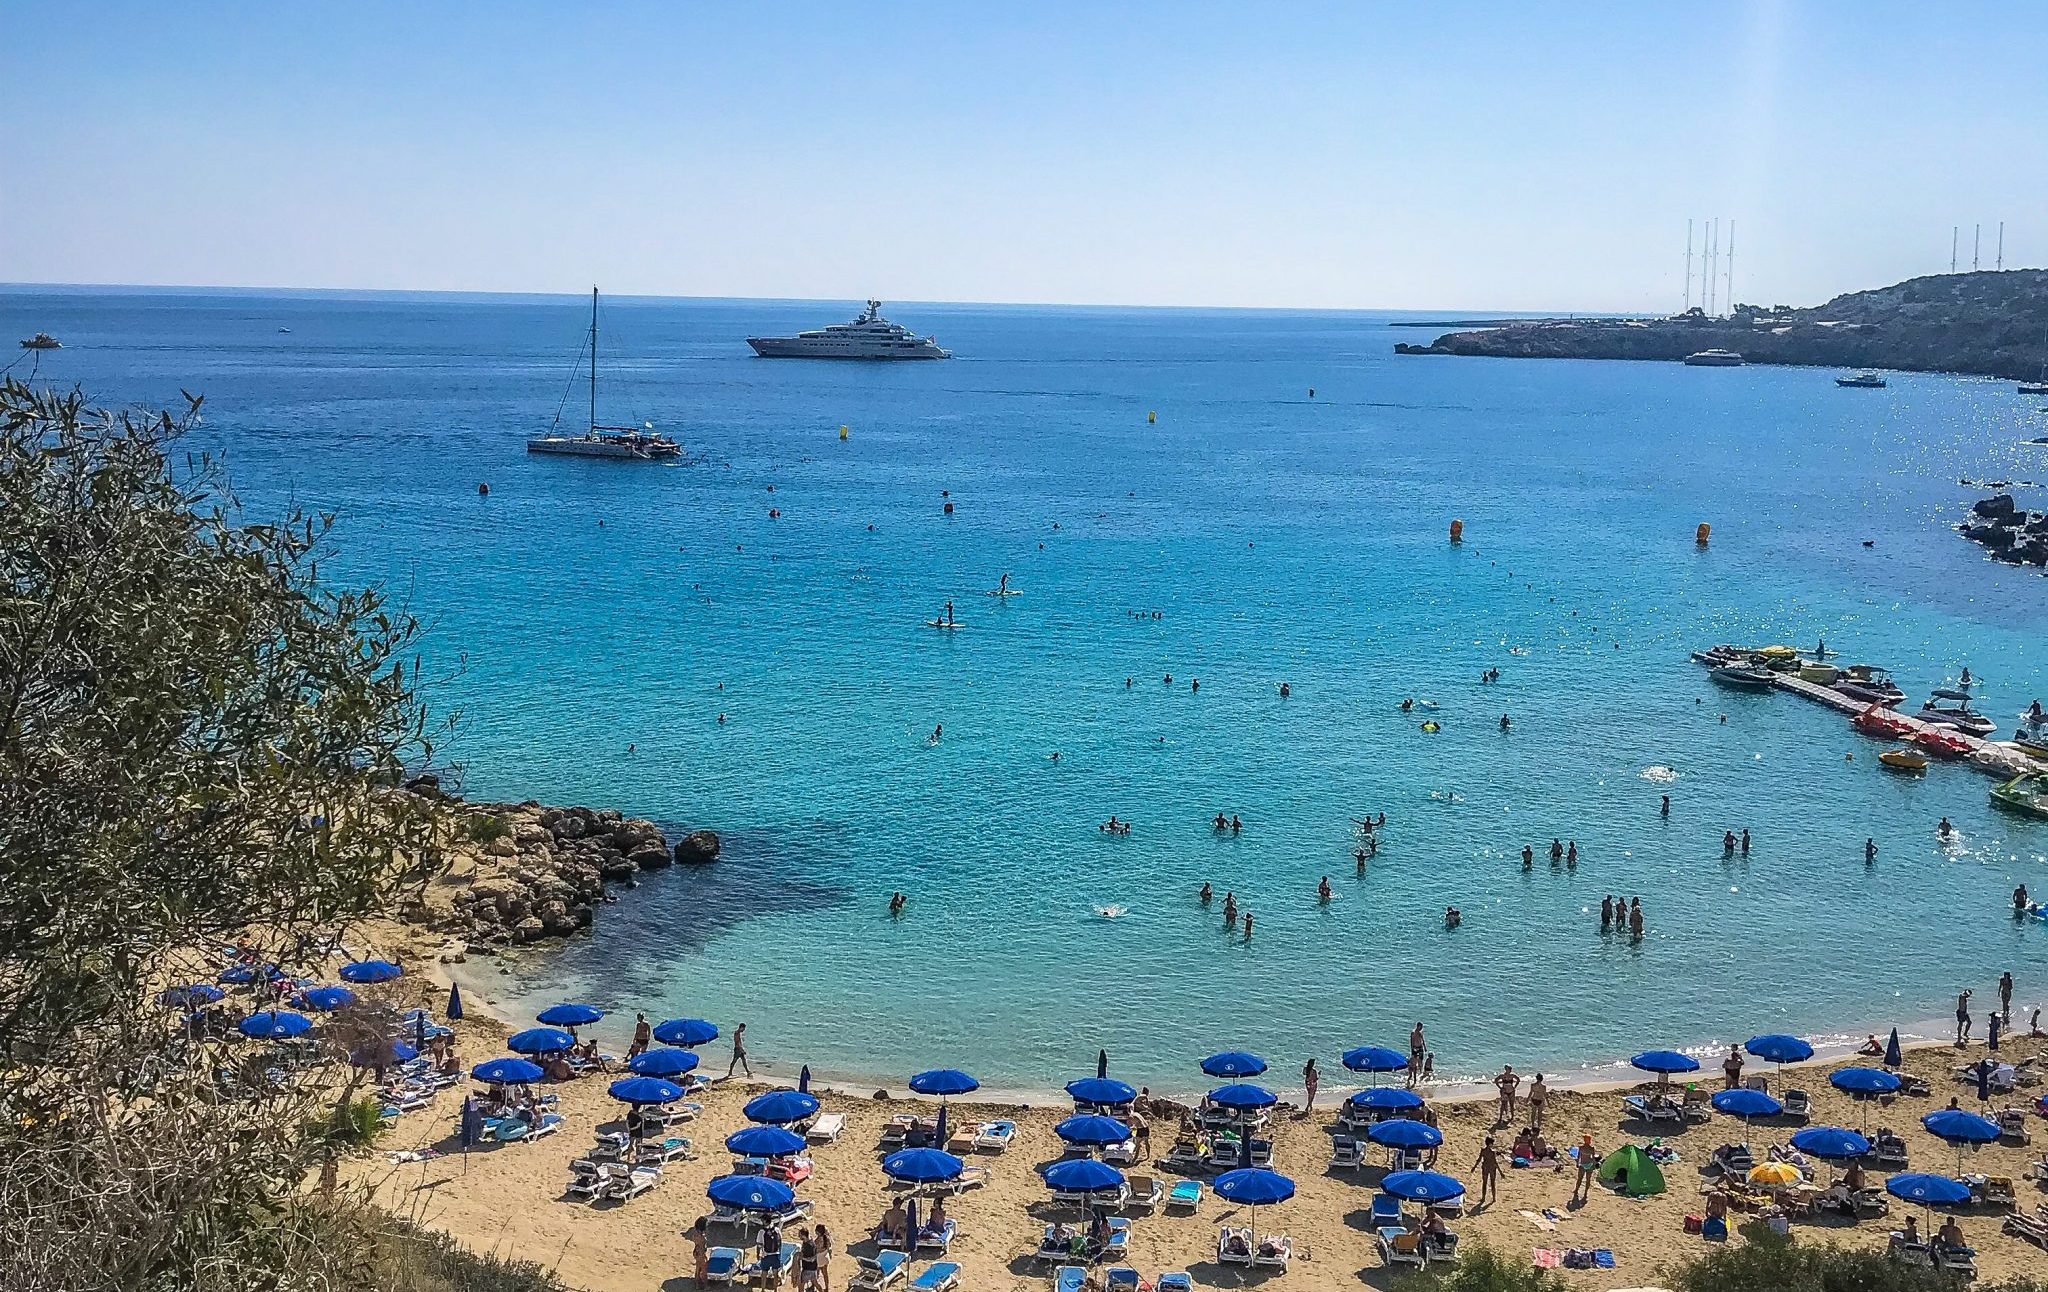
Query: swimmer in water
x,y
1285,692
1169,679
1247,926
1556,850
1235,825
1127,684
937,732
1360,857
1664,808
1528,857
896,903
1944,829
1869,851
1407,705
1728,843
1206,893
1195,685
1745,841
1452,917
1055,755
1323,890
1571,854
1606,914
1221,823
1966,672
1230,908
1503,722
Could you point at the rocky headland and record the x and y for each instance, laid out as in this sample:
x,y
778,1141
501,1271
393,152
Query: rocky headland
x,y
1990,323
2008,531
522,873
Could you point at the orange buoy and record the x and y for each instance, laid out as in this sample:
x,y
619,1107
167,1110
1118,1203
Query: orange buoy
x,y
842,432
1700,535
1151,418
1457,531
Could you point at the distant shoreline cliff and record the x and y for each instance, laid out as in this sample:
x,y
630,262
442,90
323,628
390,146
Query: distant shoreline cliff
x,y
1991,323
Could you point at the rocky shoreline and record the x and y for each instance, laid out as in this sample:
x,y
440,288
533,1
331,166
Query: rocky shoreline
x,y
2008,531
1985,323
523,873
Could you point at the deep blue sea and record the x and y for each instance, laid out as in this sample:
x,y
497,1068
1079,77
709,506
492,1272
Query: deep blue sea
x,y
595,619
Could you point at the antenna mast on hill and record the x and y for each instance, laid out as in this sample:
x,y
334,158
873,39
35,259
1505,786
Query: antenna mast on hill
x,y
1688,264
2001,245
1954,231
1976,245
1731,267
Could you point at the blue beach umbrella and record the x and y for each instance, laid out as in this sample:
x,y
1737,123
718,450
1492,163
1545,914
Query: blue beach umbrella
x,y
922,1166
1894,1055
236,975
1927,1190
198,993
664,1062
1375,1059
943,1082
644,1090
1243,1096
1422,1186
1090,1130
1832,1143
686,1032
750,1192
1102,1092
539,1040
454,1010
569,1015
780,1106
327,999
1863,1081
507,1072
360,971
1254,1187
1405,1133
1746,1104
1779,1048
1386,1099
1664,1062
1960,1128
1083,1175
274,1024
764,1141
1232,1064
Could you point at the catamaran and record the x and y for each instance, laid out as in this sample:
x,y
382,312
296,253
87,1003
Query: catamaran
x,y
634,443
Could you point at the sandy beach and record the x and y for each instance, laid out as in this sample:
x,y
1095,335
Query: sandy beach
x,y
509,1199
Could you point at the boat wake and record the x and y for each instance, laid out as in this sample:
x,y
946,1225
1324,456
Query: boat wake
x,y
1111,912
1659,775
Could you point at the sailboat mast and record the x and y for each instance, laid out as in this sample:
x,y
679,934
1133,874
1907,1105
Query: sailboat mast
x,y
593,360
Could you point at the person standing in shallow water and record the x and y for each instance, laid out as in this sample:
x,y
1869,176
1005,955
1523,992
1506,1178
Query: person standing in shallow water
x,y
1310,1079
1606,914
739,1052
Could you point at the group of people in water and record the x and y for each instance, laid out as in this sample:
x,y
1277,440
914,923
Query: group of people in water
x,y
1114,826
1207,894
1561,854
1622,913
1227,824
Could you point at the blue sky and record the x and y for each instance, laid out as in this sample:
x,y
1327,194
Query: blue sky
x,y
1434,156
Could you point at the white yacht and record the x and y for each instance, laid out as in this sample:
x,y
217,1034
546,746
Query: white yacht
x,y
1714,359
868,337
634,443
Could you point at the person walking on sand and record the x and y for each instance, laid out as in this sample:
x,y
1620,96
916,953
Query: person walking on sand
x,y
1310,1079
2005,996
643,1036
739,1052
1963,1017
700,1250
1489,1172
1539,1094
1508,1084
1417,1043
1731,1068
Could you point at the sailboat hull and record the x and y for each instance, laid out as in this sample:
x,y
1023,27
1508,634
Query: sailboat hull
x,y
577,446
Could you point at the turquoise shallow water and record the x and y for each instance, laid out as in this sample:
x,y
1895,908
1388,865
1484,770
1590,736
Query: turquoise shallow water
x,y
593,605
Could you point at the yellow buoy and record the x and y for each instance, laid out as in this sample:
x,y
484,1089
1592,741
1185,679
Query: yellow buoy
x,y
1457,531
1151,418
842,432
1700,535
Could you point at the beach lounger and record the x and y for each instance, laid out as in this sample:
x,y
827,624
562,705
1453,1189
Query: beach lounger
x,y
1146,1192
1174,1281
1119,1243
1234,1246
1758,1082
970,1177
1694,1107
682,1110
1055,1250
549,1124
1400,1247
1273,1252
789,1170
1905,1253
878,1272
1185,1155
2012,1126
1652,1111
1404,1159
1346,1153
1386,1210
1956,1260
634,1183
1184,1194
612,1145
1108,1199
1069,1278
771,1267
2028,1229
994,1137
1888,1150
1441,1247
1798,1105
587,1180
826,1128
1121,1278
1732,1159
1998,1191
938,1240
938,1277
724,1264
1122,1154
675,1148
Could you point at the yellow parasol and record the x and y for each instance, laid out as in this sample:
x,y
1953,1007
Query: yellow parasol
x,y
1775,1174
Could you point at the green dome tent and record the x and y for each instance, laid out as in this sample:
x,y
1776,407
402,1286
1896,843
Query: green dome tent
x,y
1630,1169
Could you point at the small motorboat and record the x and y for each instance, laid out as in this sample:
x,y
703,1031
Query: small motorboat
x,y
1715,656
1870,684
42,341
1743,677
1863,381
2028,794
2031,741
1957,713
1941,743
1903,760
